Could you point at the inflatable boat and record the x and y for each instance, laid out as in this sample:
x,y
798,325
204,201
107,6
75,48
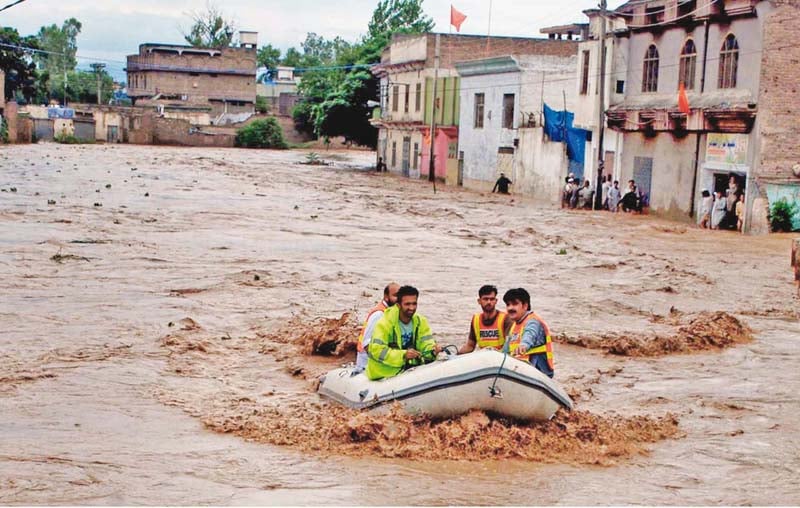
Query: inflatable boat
x,y
485,379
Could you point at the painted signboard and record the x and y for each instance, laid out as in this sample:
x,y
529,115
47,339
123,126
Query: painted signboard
x,y
726,148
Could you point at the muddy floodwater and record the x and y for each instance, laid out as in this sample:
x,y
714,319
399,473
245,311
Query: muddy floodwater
x,y
157,306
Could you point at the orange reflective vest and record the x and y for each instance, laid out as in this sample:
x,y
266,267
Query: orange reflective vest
x,y
378,308
491,336
515,337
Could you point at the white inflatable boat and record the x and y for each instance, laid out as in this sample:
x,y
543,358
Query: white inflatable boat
x,y
485,379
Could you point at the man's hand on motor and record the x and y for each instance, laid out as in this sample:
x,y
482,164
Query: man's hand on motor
x,y
412,354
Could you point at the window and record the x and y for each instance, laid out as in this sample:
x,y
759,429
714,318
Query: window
x,y
620,88
508,111
728,62
408,92
585,74
418,98
655,15
395,97
650,74
394,154
687,65
479,111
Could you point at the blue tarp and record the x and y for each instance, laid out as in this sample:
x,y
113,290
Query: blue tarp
x,y
558,127
60,113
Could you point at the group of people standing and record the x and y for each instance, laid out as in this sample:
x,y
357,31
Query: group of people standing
x,y
722,210
612,198
394,337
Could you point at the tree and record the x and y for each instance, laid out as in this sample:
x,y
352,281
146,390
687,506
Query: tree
x,y
269,57
19,67
292,58
210,29
335,100
261,133
61,44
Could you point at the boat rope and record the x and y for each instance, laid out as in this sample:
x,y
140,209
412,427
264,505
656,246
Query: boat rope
x,y
493,391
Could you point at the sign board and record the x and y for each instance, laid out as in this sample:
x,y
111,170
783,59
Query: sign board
x,y
726,148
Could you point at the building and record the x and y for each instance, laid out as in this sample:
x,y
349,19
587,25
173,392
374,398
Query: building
x,y
502,101
407,105
219,80
738,66
281,91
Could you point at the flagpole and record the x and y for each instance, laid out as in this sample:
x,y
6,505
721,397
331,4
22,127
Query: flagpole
x,y
489,28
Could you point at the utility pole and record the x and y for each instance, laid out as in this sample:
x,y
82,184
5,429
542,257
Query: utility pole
x,y
601,117
431,169
97,68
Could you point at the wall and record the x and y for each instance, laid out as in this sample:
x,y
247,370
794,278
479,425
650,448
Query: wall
x,y
480,145
672,173
168,131
445,137
540,167
104,119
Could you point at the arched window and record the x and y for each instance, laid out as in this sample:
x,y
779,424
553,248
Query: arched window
x,y
687,65
728,62
650,74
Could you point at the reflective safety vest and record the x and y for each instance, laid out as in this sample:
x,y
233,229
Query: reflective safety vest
x,y
491,336
515,337
381,307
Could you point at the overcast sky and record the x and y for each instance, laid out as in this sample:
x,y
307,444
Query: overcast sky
x,y
115,28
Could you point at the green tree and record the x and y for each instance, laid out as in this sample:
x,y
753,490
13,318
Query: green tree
x,y
292,58
210,29
61,44
269,57
261,133
335,100
19,66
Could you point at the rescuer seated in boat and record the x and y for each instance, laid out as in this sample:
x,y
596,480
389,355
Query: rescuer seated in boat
x,y
487,329
402,338
529,336
373,316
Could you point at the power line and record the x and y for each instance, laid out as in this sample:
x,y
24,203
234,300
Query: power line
x,y
12,4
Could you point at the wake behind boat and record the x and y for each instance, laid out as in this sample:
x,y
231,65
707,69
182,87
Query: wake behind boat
x,y
486,379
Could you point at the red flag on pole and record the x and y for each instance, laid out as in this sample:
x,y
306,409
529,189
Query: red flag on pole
x,y
683,100
456,18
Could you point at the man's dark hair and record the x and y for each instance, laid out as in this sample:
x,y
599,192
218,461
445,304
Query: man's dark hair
x,y
517,295
487,290
406,291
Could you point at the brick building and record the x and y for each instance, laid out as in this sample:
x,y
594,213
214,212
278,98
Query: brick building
x,y
407,104
222,80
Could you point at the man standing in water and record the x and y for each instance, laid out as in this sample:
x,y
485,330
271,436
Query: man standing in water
x,y
487,329
373,316
502,184
529,337
402,338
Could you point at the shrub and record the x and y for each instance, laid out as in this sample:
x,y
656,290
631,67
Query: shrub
x,y
262,133
781,215
3,131
261,104
71,139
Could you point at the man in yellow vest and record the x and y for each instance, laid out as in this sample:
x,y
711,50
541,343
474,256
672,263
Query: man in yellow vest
x,y
529,337
402,338
487,329
373,316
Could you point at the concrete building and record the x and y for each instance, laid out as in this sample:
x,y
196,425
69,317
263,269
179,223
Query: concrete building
x,y
280,92
502,100
738,65
220,80
407,104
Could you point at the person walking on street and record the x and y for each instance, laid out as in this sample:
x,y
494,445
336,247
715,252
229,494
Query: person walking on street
x,y
502,184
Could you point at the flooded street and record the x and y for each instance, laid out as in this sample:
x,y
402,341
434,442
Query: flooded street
x,y
152,296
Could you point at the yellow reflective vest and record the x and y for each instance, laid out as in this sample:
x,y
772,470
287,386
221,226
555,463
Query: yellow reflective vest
x,y
492,336
385,353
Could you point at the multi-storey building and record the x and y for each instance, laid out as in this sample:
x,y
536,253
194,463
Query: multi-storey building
x,y
406,75
223,80
738,66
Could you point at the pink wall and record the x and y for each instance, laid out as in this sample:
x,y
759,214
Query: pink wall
x,y
444,136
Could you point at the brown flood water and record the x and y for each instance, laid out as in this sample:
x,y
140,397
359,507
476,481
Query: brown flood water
x,y
157,325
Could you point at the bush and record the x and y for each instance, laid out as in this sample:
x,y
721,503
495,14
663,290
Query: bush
x,y
263,133
3,131
70,139
261,105
781,215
